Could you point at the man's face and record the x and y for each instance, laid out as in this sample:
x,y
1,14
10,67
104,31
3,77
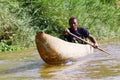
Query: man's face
x,y
73,24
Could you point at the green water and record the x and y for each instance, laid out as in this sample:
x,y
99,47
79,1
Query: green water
x,y
27,65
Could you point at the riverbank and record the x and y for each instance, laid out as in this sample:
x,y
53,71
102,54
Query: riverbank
x,y
20,20
109,40
34,48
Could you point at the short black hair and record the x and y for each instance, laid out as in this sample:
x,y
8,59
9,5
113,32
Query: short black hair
x,y
72,18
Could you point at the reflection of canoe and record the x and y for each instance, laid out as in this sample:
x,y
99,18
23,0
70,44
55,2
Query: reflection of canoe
x,y
54,50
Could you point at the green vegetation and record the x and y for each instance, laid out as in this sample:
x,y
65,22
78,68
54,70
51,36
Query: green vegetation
x,y
21,19
4,47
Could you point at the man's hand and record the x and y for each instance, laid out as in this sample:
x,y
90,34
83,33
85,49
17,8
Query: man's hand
x,y
66,32
95,45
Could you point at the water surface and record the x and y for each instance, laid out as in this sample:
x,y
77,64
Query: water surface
x,y
27,65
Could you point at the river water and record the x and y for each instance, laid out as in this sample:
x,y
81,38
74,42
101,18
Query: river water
x,y
27,65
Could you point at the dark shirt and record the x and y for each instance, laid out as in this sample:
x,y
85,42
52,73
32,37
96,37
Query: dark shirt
x,y
80,32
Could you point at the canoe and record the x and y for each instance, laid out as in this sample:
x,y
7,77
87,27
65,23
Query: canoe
x,y
55,51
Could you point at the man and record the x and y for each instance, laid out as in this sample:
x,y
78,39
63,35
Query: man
x,y
80,32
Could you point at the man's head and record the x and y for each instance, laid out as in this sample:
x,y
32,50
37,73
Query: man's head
x,y
73,23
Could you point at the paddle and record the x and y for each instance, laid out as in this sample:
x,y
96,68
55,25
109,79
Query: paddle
x,y
86,42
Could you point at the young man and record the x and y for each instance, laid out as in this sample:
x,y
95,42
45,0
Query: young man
x,y
80,32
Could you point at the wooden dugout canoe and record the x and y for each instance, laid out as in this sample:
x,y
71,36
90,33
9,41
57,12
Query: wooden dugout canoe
x,y
55,51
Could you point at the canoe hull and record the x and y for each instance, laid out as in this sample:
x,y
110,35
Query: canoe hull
x,y
55,51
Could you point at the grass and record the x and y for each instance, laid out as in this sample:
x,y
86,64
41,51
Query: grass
x,y
24,18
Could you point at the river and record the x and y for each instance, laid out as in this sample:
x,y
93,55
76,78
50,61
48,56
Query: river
x,y
27,65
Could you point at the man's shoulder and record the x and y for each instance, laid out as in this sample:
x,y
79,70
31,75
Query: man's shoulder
x,y
81,28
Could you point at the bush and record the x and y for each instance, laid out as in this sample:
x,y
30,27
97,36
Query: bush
x,y
25,17
4,47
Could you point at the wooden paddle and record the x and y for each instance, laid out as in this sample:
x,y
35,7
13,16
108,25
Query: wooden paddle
x,y
87,42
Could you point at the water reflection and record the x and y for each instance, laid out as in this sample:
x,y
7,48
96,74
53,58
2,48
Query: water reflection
x,y
49,71
21,67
